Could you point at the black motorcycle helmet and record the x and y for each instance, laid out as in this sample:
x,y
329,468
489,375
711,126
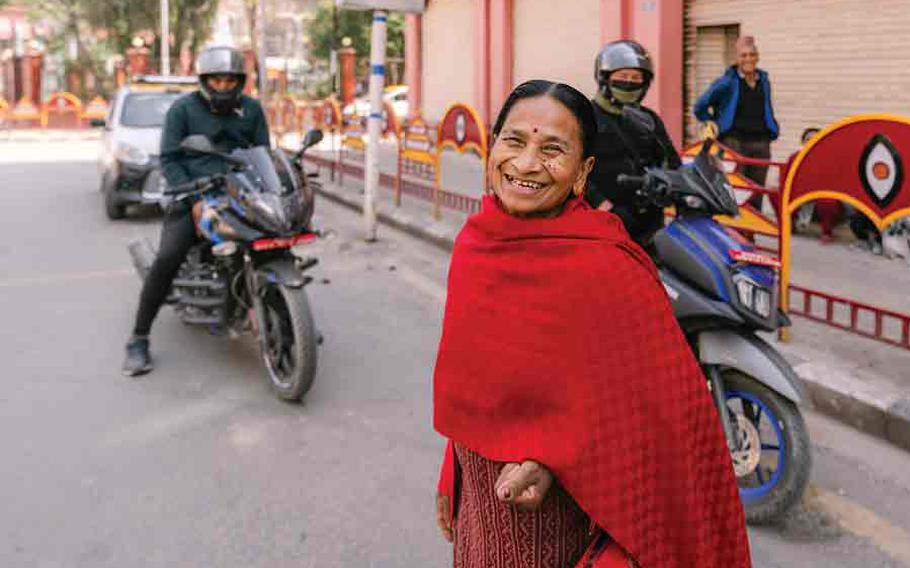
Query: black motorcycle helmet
x,y
622,54
221,61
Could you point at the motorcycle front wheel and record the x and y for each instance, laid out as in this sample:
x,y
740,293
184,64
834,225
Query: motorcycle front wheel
x,y
773,458
288,341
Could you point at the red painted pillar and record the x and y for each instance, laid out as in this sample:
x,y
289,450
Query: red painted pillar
x,y
659,27
482,57
501,53
31,65
347,59
249,63
615,20
413,62
137,60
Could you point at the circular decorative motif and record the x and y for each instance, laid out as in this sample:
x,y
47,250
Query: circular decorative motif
x,y
461,128
881,170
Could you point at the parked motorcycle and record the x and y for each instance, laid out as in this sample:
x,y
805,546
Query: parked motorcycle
x,y
242,275
723,293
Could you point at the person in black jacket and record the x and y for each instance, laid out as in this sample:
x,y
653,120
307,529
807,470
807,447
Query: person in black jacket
x,y
624,72
220,111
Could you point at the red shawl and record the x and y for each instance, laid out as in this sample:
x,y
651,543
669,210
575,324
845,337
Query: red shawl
x,y
559,345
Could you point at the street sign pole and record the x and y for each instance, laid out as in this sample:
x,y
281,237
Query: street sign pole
x,y
165,39
374,124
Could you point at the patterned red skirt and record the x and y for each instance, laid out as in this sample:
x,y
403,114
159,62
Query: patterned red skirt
x,y
490,534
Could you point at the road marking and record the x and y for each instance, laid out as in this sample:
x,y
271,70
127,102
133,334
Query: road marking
x,y
863,522
62,278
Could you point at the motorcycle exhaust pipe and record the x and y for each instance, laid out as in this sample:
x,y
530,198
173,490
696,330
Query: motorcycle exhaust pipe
x,y
142,255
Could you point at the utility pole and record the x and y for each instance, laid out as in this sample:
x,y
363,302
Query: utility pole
x,y
260,41
165,38
333,55
374,124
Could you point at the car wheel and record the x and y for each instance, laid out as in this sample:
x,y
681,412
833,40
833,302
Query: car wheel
x,y
112,206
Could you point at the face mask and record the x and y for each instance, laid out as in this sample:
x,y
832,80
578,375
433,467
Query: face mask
x,y
626,92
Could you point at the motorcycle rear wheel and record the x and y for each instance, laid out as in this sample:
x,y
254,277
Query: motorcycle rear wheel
x,y
776,483
288,341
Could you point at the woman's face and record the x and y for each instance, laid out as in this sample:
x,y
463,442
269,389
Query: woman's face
x,y
536,160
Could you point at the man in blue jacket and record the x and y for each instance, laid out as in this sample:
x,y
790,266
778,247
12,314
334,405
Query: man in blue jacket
x,y
737,107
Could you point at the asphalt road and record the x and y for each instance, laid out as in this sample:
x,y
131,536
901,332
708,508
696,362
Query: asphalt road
x,y
199,465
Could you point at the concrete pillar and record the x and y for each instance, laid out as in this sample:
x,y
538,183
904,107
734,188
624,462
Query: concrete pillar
x,y
347,63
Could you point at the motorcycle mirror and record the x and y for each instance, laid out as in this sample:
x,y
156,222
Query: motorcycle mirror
x,y
312,138
197,143
639,119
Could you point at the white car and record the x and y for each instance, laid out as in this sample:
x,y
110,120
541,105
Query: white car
x,y
129,162
396,95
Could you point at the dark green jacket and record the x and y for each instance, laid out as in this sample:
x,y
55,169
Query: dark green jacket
x,y
190,114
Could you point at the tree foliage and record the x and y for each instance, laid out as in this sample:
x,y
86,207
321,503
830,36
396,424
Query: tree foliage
x,y
122,20
356,25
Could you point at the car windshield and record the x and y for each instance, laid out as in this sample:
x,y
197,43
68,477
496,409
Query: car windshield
x,y
146,110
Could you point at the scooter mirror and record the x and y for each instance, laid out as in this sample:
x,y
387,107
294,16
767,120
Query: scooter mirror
x,y
312,138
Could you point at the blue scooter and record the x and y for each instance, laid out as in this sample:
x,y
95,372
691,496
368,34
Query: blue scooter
x,y
723,293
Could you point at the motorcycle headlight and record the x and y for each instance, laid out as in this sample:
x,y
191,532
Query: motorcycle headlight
x,y
753,297
129,154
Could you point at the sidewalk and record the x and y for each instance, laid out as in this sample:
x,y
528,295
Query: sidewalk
x,y
856,380
49,134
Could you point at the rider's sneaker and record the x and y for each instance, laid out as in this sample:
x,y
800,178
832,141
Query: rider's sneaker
x,y
138,361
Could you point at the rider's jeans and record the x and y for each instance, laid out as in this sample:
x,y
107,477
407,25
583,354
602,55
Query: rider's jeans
x,y
178,234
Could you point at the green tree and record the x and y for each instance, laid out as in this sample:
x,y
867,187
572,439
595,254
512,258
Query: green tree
x,y
356,25
190,22
71,15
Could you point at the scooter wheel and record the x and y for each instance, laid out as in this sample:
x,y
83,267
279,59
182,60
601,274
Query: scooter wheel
x,y
774,456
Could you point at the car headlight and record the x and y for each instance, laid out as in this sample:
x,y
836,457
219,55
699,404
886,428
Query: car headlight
x,y
753,297
129,154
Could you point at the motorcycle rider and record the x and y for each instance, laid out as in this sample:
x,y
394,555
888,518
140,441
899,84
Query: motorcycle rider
x,y
220,111
624,71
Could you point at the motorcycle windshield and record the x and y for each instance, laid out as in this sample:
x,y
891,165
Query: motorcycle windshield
x,y
713,185
260,161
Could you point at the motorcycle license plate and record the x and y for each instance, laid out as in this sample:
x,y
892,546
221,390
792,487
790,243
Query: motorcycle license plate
x,y
282,242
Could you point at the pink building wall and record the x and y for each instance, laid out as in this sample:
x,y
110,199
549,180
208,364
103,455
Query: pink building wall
x,y
656,24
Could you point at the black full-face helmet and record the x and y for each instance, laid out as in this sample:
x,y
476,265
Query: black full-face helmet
x,y
622,54
221,61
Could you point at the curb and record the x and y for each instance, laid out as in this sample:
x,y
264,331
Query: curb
x,y
840,395
396,219
829,391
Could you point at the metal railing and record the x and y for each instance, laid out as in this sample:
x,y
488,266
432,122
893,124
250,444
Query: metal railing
x,y
860,318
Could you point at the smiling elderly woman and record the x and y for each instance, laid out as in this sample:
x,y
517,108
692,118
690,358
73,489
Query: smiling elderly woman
x,y
581,432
